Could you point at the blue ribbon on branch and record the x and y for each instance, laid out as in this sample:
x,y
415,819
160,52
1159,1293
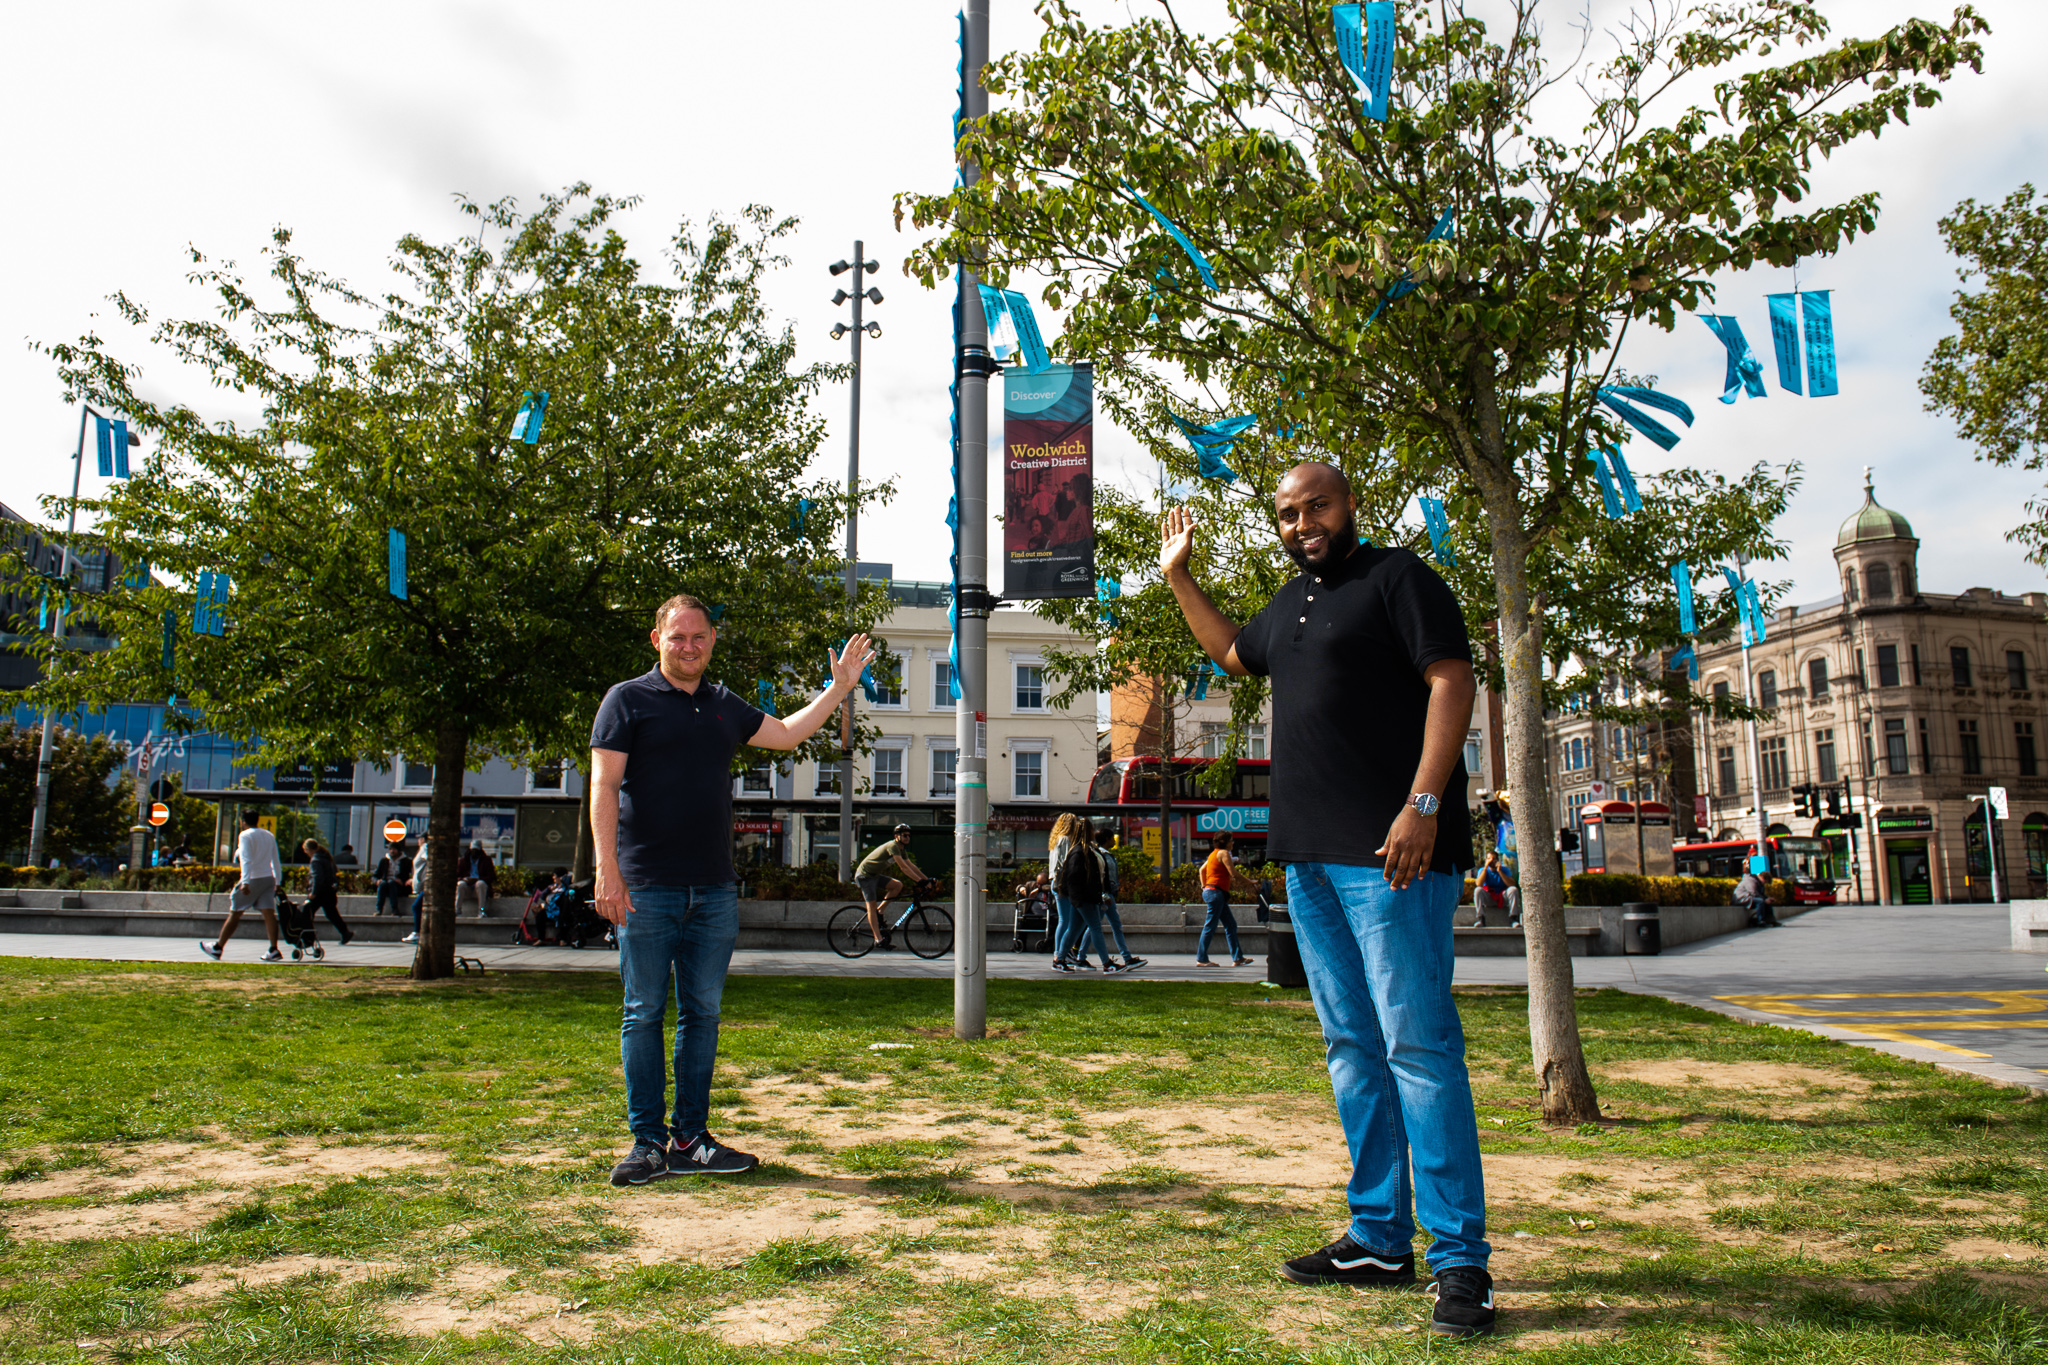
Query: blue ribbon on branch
x,y
1617,396
764,690
1785,340
1173,231
208,618
1013,329
1107,590
533,410
1198,686
394,562
1617,484
1820,343
170,641
1681,579
1365,45
1446,226
1683,658
1745,372
801,514
1213,441
1749,608
1439,526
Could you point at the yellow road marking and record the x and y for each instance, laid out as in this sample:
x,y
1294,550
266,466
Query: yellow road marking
x,y
2000,1002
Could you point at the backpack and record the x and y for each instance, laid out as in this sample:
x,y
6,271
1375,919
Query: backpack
x,y
1112,877
1081,875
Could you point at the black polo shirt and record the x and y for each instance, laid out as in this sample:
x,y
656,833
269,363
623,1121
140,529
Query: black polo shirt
x,y
675,805
1345,649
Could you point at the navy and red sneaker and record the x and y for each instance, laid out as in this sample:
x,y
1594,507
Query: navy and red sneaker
x,y
706,1155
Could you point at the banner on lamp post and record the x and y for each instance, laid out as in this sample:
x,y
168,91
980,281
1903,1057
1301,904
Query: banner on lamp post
x,y
1049,483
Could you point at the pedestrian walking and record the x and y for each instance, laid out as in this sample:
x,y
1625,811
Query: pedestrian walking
x,y
1106,907
1372,691
419,889
474,877
1219,873
1072,887
256,854
323,887
393,878
661,754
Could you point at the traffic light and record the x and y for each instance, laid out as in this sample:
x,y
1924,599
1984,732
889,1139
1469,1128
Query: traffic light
x,y
1567,840
1802,800
1835,801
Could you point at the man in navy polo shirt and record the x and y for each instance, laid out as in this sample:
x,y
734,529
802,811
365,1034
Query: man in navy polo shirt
x,y
1372,691
661,756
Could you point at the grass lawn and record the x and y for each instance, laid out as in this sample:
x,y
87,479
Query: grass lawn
x,y
206,1165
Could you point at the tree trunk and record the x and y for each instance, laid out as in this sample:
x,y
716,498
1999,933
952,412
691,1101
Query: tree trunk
x,y
583,867
435,957
1556,1055
1167,774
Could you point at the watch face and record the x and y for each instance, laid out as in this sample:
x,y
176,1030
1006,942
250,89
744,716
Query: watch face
x,y
1424,804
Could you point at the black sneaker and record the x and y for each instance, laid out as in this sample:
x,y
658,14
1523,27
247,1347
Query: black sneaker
x,y
647,1161
272,956
1464,1302
209,950
1133,963
706,1155
1346,1262
1060,964
1110,967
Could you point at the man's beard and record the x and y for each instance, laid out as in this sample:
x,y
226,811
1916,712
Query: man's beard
x,y
1343,541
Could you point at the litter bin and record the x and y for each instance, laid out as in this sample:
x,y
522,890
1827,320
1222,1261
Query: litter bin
x,y
1283,955
1641,930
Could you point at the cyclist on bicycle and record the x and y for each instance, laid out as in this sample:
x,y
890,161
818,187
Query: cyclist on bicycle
x,y
878,887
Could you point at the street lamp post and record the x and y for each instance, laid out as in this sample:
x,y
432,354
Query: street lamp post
x,y
860,265
1756,766
40,820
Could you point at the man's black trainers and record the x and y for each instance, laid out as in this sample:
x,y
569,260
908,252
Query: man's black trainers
x,y
1464,1302
645,1162
1346,1262
706,1155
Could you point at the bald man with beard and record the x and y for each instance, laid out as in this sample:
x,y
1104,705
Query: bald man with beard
x,y
1372,693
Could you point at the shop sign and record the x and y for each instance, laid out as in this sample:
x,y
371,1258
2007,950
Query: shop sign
x,y
1232,819
1921,823
757,827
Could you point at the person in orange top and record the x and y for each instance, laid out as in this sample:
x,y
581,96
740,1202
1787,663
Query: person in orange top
x,y
1219,871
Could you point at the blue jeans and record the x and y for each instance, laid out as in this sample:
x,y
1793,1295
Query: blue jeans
x,y
680,938
1218,901
1379,970
1116,927
1076,926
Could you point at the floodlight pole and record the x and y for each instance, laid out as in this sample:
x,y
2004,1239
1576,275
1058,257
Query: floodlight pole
x,y
39,822
846,834
972,603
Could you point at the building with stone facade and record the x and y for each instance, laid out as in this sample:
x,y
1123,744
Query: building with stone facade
x,y
1911,704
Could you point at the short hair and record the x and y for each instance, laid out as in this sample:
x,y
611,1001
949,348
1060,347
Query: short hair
x,y
1225,840
682,601
249,816
1343,479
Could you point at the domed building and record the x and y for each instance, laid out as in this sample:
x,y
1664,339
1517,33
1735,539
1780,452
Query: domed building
x,y
1891,713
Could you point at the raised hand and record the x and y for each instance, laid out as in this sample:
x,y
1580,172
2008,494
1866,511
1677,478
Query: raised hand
x,y
1176,540
846,668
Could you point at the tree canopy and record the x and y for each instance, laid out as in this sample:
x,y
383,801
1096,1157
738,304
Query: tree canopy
x,y
670,458
1432,302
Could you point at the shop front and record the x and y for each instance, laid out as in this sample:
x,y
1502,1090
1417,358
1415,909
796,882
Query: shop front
x,y
1906,852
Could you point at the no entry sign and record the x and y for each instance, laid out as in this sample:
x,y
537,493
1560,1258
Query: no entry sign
x,y
159,814
394,831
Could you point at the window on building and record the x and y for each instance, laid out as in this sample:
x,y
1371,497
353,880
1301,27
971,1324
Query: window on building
x,y
1849,584
1720,694
1869,751
1824,756
945,762
415,776
2016,670
942,684
2023,742
1959,665
1471,751
1027,774
1916,665
888,684
828,779
758,780
1724,760
1926,748
1887,665
1973,747
1895,760
1215,738
1767,688
1879,579
1817,679
1255,742
1030,687
889,771
545,777
1776,773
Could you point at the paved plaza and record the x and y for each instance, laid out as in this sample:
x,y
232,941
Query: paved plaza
x,y
1935,983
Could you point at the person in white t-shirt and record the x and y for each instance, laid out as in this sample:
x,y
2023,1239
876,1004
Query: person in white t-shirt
x,y
257,890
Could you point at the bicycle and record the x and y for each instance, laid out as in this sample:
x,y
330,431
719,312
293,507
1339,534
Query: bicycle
x,y
926,930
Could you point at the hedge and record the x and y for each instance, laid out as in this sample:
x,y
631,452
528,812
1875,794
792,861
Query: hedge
x,y
1619,888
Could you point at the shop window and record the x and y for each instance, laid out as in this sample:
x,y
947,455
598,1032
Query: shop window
x,y
2034,836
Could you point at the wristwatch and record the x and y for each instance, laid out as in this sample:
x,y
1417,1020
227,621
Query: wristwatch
x,y
1424,803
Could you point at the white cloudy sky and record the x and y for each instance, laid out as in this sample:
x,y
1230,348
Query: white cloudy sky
x,y
134,129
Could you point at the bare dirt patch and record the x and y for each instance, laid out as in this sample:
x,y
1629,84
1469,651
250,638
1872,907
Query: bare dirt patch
x,y
1988,1249
238,1165
216,1279
1775,1078
772,1322
474,1299
674,1226
74,1222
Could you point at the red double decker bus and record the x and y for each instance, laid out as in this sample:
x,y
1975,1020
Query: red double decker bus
x,y
1127,791
1808,864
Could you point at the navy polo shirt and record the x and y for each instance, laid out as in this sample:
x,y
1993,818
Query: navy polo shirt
x,y
1346,646
675,805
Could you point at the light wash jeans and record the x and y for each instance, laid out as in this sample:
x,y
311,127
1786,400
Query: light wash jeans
x,y
1077,931
1379,970
1218,901
677,938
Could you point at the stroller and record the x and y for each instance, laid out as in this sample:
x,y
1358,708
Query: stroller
x,y
560,914
1034,916
295,926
